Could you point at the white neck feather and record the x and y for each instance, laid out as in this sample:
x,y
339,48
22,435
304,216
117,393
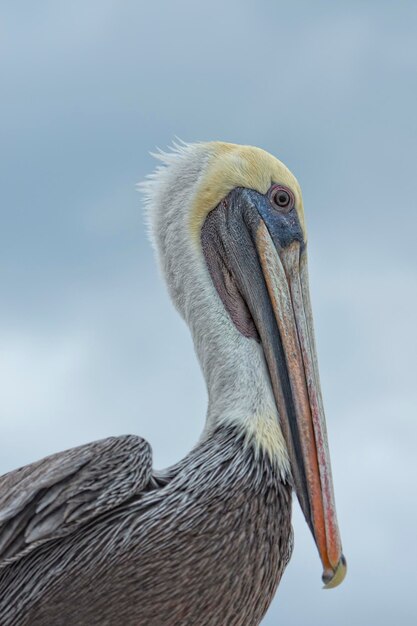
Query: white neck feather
x,y
234,368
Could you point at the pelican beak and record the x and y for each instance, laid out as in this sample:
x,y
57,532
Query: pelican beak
x,y
258,263
295,379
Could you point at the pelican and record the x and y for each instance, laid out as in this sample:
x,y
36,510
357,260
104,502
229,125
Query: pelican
x,y
95,535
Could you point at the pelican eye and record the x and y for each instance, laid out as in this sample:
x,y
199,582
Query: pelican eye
x,y
281,198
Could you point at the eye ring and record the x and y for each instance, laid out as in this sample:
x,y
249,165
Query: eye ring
x,y
281,198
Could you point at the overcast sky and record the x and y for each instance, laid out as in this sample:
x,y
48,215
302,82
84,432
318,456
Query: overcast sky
x,y
89,343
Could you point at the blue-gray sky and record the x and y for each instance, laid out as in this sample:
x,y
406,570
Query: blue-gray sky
x,y
89,343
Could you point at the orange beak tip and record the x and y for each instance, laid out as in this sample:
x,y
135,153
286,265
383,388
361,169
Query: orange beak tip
x,y
334,578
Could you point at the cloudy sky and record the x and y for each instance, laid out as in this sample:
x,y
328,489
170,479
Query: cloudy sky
x,y
89,343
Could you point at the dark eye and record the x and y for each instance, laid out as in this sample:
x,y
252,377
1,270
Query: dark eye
x,y
281,198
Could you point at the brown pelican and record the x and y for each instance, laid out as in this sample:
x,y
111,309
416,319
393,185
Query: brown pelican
x,y
94,535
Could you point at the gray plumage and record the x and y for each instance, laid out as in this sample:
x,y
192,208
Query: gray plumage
x,y
93,536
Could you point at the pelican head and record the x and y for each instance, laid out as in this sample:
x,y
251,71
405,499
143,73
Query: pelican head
x,y
227,222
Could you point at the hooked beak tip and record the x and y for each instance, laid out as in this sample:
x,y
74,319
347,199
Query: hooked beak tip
x,y
334,578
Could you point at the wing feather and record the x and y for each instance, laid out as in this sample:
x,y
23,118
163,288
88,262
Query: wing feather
x,y
52,497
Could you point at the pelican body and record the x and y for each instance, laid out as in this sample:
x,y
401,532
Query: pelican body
x,y
95,535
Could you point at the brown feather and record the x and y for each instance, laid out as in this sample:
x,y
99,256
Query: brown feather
x,y
205,542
